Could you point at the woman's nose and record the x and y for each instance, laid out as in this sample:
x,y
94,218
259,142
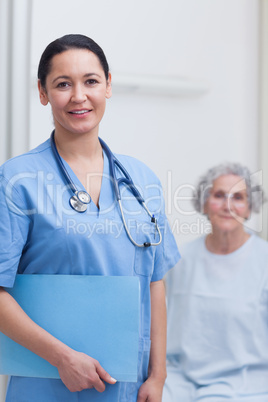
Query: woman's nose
x,y
78,94
227,203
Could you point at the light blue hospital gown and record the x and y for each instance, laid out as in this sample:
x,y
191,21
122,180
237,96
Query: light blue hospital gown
x,y
41,234
217,347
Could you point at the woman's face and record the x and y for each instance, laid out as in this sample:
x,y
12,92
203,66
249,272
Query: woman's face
x,y
76,89
227,206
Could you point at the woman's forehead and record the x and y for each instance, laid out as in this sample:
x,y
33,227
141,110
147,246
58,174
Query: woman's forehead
x,y
73,59
230,182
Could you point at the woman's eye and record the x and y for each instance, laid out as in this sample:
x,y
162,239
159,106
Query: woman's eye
x,y
92,81
63,85
219,194
238,196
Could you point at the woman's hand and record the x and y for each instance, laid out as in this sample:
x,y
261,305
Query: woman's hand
x,y
79,371
151,391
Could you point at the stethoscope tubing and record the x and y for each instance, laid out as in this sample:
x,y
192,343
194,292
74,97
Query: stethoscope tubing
x,y
59,160
79,205
145,244
113,161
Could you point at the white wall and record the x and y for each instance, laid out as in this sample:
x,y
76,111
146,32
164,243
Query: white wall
x,y
205,41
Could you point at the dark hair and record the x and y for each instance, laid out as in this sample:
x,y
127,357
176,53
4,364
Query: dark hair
x,y
60,45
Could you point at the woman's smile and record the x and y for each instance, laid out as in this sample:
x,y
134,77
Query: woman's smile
x,y
80,113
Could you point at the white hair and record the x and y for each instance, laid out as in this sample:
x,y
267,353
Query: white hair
x,y
254,192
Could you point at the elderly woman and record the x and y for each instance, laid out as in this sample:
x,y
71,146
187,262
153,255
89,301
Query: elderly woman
x,y
218,299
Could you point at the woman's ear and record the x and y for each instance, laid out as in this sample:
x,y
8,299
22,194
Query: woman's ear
x,y
42,94
109,87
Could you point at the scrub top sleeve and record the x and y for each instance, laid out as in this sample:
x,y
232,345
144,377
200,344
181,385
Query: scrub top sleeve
x,y
167,253
14,227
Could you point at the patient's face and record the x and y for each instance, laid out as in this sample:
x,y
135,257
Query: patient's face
x,y
227,206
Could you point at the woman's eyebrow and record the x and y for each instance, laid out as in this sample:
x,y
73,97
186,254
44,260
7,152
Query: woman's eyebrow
x,y
66,77
92,74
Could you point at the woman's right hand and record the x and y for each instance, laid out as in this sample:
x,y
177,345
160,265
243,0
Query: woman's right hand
x,y
79,371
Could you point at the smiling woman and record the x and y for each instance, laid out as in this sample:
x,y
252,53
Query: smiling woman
x,y
74,80
217,345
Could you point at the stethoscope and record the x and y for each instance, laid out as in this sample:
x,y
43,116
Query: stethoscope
x,y
80,198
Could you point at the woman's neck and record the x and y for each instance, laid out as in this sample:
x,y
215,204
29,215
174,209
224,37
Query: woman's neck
x,y
220,242
72,146
84,155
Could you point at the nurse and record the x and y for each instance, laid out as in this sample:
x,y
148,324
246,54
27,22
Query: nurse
x,y
41,234
217,338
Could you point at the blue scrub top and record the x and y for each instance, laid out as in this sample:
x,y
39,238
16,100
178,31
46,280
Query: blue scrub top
x,y
41,234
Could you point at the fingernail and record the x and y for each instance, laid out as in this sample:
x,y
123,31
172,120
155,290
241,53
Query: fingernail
x,y
113,379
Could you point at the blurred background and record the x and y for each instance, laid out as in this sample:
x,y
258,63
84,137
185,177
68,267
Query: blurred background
x,y
190,87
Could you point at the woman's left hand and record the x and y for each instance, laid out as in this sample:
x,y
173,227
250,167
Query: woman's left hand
x,y
151,391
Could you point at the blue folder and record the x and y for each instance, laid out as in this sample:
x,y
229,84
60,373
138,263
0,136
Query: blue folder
x,y
97,315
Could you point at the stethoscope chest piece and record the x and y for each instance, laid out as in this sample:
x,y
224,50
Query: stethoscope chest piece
x,y
83,197
80,201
